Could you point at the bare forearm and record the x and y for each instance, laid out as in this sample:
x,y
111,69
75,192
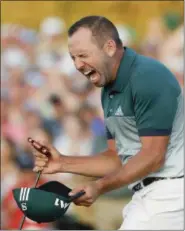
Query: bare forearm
x,y
136,168
96,166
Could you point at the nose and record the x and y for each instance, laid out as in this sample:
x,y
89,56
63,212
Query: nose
x,y
79,64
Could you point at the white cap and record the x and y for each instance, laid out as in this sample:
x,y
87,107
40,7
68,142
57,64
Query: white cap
x,y
52,26
124,35
15,57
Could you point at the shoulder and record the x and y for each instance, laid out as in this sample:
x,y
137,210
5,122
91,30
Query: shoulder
x,y
151,76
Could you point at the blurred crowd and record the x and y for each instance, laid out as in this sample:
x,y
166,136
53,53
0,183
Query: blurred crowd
x,y
44,97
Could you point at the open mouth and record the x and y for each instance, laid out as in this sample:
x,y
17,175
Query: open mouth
x,y
89,73
92,75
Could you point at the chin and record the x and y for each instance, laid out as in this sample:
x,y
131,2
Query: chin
x,y
99,85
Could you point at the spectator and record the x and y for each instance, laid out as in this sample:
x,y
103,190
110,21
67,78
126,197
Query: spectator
x,y
54,125
76,139
52,35
8,166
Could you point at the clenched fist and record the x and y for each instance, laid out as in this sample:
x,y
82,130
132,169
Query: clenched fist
x,y
47,158
92,192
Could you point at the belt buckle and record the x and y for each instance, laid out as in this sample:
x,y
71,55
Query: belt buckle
x,y
137,187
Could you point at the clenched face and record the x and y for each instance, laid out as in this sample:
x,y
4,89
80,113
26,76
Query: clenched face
x,y
90,59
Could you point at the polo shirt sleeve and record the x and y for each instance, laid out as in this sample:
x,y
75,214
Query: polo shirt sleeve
x,y
155,97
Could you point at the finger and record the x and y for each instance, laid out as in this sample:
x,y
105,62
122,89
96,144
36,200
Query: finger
x,y
45,159
81,199
44,147
38,153
49,147
37,169
35,148
83,204
45,151
34,143
40,163
38,146
45,170
75,191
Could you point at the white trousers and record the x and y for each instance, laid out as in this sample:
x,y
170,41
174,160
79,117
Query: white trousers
x,y
159,206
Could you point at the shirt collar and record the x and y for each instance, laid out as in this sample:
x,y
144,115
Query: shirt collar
x,y
124,71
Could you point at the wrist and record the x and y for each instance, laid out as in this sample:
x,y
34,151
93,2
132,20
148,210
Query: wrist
x,y
99,185
62,164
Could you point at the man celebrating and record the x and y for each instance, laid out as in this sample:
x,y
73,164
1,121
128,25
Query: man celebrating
x,y
143,110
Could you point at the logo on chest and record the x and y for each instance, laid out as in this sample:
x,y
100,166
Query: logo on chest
x,y
119,112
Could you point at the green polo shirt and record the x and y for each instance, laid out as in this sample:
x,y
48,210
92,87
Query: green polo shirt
x,y
144,100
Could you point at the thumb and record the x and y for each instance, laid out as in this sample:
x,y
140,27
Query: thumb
x,y
49,147
45,143
75,191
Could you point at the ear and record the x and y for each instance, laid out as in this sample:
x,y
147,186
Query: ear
x,y
110,48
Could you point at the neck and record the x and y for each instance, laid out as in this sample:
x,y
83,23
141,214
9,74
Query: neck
x,y
118,56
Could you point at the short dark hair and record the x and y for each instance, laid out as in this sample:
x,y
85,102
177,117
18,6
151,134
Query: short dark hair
x,y
101,28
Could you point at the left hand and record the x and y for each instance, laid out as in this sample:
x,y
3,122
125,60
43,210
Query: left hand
x,y
91,194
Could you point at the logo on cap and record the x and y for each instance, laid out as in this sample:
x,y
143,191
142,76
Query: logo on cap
x,y
24,195
61,203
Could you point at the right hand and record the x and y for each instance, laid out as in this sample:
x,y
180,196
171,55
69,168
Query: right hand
x,y
46,162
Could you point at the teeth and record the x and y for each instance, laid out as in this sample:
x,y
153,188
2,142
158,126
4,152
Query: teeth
x,y
87,72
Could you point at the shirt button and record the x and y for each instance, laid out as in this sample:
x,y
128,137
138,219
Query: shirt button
x,y
111,96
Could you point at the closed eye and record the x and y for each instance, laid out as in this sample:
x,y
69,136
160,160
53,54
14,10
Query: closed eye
x,y
82,56
79,56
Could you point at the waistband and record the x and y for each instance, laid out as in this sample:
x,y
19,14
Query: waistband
x,y
149,180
